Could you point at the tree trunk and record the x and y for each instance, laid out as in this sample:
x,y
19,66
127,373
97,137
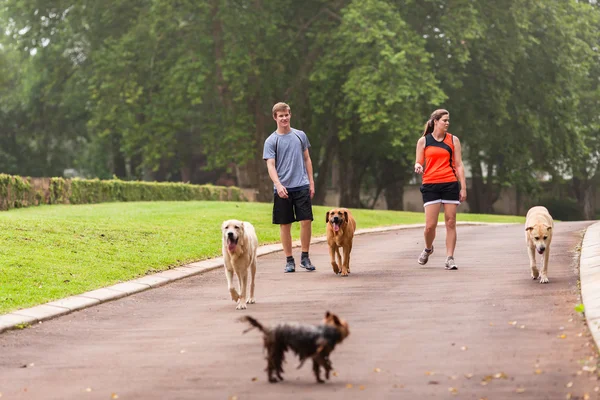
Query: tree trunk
x,y
324,167
394,178
586,197
349,184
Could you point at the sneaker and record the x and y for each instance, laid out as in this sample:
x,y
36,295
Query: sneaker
x,y
290,266
424,257
306,264
450,263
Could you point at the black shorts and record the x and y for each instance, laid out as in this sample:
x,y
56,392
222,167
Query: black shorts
x,y
446,193
297,207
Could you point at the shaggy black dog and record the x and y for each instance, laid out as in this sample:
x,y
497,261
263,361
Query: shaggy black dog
x,y
307,341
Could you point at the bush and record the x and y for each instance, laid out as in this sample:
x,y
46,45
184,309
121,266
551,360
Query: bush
x,y
16,191
564,209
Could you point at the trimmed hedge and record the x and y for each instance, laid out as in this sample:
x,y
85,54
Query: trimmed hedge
x,y
16,191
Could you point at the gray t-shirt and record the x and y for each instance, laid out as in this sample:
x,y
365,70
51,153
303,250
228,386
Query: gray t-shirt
x,y
288,151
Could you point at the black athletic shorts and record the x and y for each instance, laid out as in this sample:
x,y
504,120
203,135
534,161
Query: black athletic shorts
x,y
446,193
297,207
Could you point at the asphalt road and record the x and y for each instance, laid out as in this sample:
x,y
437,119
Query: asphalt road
x,y
417,332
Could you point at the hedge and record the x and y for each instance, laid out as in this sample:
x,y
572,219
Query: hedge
x,y
16,191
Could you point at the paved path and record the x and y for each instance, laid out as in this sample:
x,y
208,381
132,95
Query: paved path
x,y
485,331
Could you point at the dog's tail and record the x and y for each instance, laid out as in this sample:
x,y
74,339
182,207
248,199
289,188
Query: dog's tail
x,y
254,323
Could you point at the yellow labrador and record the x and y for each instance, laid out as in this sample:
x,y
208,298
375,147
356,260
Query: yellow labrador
x,y
239,255
538,236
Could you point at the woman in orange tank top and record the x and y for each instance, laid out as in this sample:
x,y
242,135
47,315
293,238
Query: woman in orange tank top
x,y
443,182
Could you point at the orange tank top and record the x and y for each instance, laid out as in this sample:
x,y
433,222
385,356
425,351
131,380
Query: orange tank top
x,y
439,160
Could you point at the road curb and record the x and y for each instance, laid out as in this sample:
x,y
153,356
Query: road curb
x,y
57,308
589,275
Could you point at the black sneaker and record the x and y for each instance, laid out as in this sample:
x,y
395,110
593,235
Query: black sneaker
x,y
290,266
306,264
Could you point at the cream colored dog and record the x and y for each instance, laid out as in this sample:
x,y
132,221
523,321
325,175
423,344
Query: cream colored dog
x,y
239,254
538,235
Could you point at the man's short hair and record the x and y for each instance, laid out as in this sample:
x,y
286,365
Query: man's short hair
x,y
280,107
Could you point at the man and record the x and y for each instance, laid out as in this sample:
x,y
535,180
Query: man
x,y
290,169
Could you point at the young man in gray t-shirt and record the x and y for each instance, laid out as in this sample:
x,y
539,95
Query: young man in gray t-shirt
x,y
290,169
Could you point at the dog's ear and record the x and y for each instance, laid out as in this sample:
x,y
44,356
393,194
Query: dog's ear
x,y
327,219
529,228
327,314
336,320
346,216
548,227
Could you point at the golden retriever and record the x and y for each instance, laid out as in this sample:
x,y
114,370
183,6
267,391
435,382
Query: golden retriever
x,y
538,236
340,233
240,244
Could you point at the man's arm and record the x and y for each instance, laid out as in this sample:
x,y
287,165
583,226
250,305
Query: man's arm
x,y
309,171
281,190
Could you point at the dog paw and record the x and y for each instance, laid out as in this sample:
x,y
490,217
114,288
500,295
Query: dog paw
x,y
544,279
345,273
234,295
241,305
336,269
251,300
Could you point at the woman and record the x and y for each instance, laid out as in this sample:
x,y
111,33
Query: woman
x,y
440,152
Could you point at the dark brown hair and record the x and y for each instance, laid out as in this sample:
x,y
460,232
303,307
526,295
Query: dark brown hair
x,y
435,116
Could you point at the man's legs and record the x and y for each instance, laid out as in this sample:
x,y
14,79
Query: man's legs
x,y
305,235
285,233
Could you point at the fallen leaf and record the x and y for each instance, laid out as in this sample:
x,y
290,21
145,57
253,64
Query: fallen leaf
x,y
464,348
483,398
483,383
586,396
538,371
562,328
88,390
182,351
597,389
579,373
570,320
114,396
433,383
512,323
429,373
563,336
570,384
233,398
500,375
361,387
377,370
254,379
520,390
522,327
568,396
453,390
335,373
349,386
469,375
398,386
454,377
491,324
589,369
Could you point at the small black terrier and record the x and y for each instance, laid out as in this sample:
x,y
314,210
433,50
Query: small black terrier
x,y
307,341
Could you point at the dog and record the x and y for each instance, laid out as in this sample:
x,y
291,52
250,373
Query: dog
x,y
340,233
240,244
307,341
538,236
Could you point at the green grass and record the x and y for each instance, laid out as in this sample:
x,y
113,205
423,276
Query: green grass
x,y
51,252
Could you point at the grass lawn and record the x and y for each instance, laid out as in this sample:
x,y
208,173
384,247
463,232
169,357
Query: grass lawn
x,y
51,252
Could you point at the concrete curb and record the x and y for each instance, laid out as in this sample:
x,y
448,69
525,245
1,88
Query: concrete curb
x,y
589,273
67,305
